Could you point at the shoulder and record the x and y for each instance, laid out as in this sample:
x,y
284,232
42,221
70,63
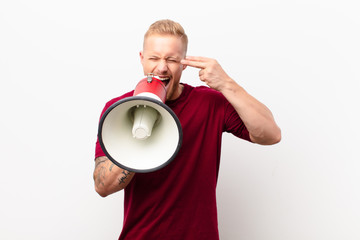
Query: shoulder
x,y
201,90
114,100
204,93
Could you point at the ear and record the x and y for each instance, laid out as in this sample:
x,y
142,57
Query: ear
x,y
141,56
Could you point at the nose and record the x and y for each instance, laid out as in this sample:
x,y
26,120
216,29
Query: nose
x,y
162,66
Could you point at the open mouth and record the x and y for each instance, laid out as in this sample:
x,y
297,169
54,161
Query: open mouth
x,y
164,80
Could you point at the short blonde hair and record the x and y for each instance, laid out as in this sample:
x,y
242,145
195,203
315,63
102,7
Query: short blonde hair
x,y
167,27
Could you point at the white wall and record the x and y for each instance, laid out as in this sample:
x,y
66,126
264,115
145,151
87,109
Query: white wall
x,y
60,61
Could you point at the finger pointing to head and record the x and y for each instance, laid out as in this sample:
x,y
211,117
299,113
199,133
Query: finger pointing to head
x,y
197,62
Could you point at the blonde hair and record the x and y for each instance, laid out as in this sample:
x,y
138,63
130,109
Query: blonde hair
x,y
167,27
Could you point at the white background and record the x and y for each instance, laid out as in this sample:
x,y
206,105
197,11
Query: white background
x,y
60,61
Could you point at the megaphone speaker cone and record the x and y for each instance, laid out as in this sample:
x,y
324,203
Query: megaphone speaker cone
x,y
140,134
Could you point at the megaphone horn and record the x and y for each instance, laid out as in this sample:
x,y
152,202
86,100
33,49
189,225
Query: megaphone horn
x,y
141,133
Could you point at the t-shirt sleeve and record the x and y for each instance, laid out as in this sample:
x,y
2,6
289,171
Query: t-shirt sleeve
x,y
98,150
234,124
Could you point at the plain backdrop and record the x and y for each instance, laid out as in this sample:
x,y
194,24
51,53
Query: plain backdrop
x,y
60,61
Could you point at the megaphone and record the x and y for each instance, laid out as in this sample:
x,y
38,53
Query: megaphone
x,y
140,133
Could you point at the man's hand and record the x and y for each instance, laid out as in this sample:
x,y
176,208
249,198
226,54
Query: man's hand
x,y
210,71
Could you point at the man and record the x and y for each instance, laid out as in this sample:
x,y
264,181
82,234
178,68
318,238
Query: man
x,y
179,200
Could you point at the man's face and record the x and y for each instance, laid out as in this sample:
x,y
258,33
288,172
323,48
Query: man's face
x,y
161,56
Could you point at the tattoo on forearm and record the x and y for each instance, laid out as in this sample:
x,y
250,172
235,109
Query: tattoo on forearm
x,y
103,167
101,171
124,177
101,175
111,166
100,162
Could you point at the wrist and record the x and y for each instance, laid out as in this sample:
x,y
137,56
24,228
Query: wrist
x,y
230,86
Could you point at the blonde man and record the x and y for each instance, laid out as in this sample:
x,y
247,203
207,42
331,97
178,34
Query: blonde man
x,y
179,200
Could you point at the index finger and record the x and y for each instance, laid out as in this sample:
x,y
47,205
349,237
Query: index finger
x,y
198,62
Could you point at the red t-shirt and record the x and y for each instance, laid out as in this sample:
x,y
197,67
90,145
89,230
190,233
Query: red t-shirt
x,y
179,200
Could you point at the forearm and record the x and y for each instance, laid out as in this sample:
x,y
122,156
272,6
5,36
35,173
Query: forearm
x,y
257,118
109,178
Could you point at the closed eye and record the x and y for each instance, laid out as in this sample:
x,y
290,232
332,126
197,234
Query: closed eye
x,y
172,60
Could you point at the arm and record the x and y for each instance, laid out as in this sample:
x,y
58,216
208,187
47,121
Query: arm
x,y
109,178
257,118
